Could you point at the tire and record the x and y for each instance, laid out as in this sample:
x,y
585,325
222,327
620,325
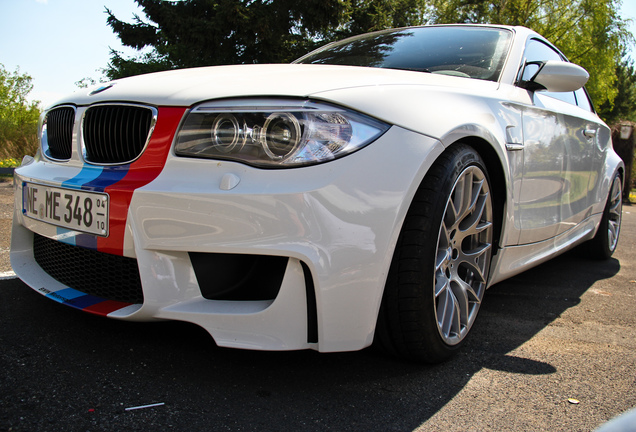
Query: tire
x,y
441,262
604,243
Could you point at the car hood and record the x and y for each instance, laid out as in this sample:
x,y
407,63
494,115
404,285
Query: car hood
x,y
186,87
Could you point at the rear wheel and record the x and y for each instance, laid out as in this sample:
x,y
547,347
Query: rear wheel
x,y
604,243
440,266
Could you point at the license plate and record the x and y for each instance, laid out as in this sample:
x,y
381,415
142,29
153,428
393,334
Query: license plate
x,y
73,209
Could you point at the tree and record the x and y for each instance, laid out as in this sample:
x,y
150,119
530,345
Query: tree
x,y
363,16
624,105
589,32
192,33
18,116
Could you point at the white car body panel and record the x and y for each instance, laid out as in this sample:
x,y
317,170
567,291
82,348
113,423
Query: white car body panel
x,y
171,218
186,87
341,219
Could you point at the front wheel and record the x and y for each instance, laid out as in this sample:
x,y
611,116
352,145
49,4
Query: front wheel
x,y
440,267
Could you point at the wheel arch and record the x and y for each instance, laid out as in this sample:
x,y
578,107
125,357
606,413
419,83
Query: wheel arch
x,y
394,332
613,165
497,177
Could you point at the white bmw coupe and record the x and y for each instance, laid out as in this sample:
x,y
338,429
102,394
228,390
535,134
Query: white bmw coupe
x,y
370,191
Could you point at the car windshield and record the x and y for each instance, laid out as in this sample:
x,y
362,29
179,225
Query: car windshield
x,y
472,52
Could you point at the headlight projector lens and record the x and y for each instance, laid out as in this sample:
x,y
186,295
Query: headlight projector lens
x,y
226,133
281,135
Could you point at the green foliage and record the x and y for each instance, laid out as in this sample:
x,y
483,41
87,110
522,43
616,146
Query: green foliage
x,y
589,32
9,163
192,33
120,67
362,16
18,116
624,106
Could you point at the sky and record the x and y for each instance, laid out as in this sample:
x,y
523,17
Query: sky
x,y
60,42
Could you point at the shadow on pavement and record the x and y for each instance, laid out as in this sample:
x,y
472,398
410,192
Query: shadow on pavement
x,y
62,368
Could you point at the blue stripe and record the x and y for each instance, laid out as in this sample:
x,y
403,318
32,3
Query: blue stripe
x,y
90,178
74,298
69,237
86,175
65,295
65,236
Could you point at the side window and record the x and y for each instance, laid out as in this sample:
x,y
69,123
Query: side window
x,y
537,51
583,100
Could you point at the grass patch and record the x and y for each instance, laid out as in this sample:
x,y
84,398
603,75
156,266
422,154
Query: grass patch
x,y
9,163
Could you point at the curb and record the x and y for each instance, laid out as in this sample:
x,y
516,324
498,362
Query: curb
x,y
8,275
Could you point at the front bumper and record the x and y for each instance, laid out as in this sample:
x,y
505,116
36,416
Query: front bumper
x,y
335,224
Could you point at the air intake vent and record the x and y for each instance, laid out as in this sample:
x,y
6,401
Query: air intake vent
x,y
116,134
58,134
100,274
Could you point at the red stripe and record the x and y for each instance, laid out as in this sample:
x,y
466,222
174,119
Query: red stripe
x,y
141,172
105,307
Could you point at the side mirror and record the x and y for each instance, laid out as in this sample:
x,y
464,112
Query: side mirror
x,y
554,76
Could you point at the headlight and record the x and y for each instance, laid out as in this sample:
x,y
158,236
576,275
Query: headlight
x,y
274,133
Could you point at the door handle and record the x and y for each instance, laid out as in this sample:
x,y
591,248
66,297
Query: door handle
x,y
590,133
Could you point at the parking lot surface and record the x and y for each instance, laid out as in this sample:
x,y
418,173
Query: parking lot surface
x,y
553,349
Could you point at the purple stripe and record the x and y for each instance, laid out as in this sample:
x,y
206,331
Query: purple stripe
x,y
109,176
84,301
87,241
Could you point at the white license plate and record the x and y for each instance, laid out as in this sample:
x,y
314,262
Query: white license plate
x,y
73,209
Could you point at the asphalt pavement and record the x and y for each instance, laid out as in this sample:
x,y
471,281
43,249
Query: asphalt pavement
x,y
553,349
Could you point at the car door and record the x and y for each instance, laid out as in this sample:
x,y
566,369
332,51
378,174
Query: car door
x,y
558,157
